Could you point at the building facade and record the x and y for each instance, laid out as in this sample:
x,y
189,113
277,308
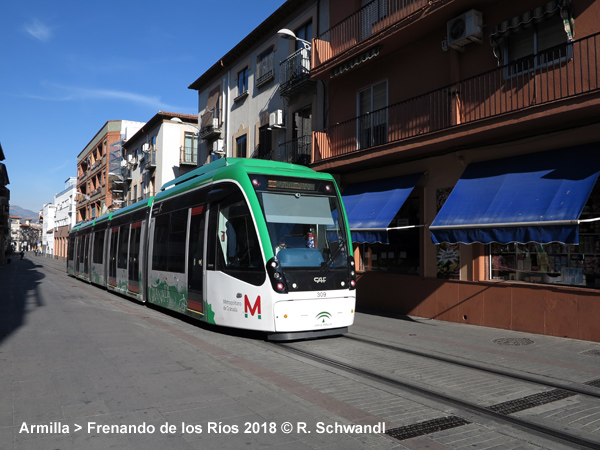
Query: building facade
x,y
258,100
95,162
47,219
65,217
163,149
466,139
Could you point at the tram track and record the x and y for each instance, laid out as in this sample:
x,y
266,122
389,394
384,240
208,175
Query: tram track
x,y
467,411
581,389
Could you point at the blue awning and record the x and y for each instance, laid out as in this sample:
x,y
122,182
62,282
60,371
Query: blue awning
x,y
537,197
371,206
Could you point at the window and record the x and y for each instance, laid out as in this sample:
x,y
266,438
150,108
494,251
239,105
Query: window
x,y
265,140
535,46
372,12
305,33
372,116
402,253
241,146
238,251
242,81
168,252
97,256
302,136
123,247
190,148
264,67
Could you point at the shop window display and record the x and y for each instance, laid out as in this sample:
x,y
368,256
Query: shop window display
x,y
401,254
554,263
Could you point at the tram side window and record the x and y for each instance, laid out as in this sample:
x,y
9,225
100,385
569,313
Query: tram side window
x,y
123,241
238,249
168,252
97,257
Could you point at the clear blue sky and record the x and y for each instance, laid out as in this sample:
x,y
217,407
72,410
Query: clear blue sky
x,y
67,67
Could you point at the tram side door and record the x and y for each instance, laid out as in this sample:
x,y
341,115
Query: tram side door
x,y
112,256
134,257
196,259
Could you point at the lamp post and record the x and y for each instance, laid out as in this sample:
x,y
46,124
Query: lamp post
x,y
290,35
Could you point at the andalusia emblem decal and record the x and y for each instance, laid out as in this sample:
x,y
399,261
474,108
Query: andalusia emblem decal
x,y
322,316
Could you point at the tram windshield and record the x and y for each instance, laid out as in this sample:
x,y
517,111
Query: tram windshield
x,y
303,223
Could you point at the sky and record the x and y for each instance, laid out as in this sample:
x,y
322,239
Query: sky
x,y
67,67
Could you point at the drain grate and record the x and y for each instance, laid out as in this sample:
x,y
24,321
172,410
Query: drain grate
x,y
512,341
594,352
593,383
427,427
530,401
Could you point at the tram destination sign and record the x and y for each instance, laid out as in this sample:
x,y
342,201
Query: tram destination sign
x,y
290,185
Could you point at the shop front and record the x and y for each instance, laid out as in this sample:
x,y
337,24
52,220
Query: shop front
x,y
514,244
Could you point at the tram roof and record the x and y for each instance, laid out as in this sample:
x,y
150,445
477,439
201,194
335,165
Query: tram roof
x,y
230,167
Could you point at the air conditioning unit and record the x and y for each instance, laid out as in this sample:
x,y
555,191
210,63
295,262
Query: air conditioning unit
x,y
464,29
276,119
146,147
218,147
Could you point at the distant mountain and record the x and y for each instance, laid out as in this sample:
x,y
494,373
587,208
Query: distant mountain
x,y
24,213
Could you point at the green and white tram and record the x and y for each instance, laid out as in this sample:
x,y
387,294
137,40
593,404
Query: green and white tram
x,y
242,243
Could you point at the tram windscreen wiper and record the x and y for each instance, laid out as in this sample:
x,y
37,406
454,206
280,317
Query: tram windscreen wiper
x,y
333,255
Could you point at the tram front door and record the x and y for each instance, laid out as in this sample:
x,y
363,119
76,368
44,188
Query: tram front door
x,y
195,260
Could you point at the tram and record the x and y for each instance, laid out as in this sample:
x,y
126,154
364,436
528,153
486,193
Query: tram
x,y
241,243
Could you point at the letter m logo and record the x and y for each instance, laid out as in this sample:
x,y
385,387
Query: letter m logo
x,y
252,308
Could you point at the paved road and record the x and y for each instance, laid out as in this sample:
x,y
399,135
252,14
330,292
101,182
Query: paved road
x,y
132,377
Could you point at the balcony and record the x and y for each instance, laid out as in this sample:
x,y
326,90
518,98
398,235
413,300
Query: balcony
x,y
297,151
210,126
363,26
294,73
150,160
559,74
188,156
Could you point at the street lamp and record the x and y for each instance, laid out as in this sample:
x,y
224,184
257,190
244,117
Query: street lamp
x,y
178,120
289,34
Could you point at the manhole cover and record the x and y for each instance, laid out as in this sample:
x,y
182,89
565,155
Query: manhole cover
x,y
512,341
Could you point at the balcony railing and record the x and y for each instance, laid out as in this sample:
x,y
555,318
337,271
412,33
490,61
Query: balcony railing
x,y
294,72
188,155
297,151
367,21
563,72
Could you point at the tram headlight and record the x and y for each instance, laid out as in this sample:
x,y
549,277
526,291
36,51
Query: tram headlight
x,y
351,272
276,276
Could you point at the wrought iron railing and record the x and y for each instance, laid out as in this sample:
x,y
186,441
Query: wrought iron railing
x,y
188,155
297,151
295,68
563,72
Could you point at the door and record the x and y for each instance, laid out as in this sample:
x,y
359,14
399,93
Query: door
x,y
134,257
196,259
86,251
302,136
372,116
112,257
